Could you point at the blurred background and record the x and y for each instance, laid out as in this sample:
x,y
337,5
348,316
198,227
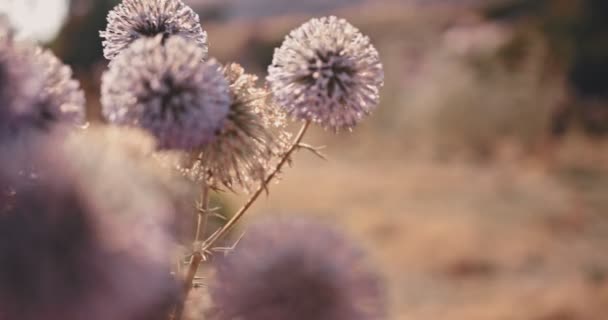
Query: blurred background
x,y
480,186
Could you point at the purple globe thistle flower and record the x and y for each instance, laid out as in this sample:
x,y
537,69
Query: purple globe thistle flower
x,y
69,250
327,72
295,270
135,19
19,89
167,89
36,89
61,98
251,137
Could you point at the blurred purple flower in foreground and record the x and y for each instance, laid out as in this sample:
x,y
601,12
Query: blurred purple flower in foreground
x,y
36,89
135,19
87,234
167,89
295,270
326,71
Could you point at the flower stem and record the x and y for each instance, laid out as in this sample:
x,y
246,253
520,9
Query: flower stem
x,y
197,257
264,186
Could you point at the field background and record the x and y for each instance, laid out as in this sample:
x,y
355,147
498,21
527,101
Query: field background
x,y
479,187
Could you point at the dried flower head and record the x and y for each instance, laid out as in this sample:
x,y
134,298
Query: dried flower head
x,y
326,71
251,137
135,19
69,247
167,89
295,270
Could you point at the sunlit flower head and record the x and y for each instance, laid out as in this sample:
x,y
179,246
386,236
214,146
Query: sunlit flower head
x,y
135,19
251,137
295,270
167,89
327,72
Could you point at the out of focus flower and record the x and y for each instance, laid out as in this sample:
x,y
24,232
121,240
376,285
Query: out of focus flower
x,y
295,270
87,236
7,32
251,137
61,99
36,89
135,19
326,71
167,89
19,89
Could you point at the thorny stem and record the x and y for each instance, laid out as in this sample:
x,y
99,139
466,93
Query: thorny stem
x,y
263,187
197,257
203,213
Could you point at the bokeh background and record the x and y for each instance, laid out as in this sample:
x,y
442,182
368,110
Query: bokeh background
x,y
479,187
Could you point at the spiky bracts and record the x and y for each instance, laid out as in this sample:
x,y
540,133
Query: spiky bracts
x,y
136,19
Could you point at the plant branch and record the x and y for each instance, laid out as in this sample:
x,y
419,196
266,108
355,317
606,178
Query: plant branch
x,y
197,257
263,187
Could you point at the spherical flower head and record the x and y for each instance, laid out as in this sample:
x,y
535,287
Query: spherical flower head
x,y
20,85
295,270
69,248
327,72
61,98
36,90
167,89
251,137
135,19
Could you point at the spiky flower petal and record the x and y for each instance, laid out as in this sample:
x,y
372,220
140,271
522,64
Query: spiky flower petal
x,y
251,137
135,19
87,236
295,270
326,71
167,89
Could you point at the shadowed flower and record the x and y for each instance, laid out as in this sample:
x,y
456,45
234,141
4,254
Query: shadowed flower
x,y
135,19
167,89
251,137
295,270
80,239
326,71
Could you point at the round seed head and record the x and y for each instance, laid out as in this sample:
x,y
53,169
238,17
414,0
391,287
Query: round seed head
x,y
135,19
251,137
167,89
295,270
80,238
327,72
